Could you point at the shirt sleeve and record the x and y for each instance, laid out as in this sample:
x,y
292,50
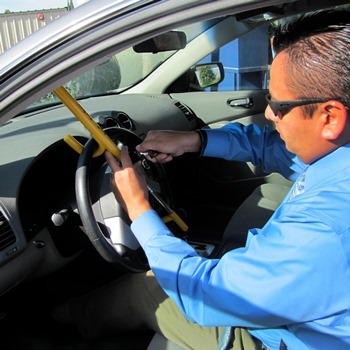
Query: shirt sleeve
x,y
275,280
249,143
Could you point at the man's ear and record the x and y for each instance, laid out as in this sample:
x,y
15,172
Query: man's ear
x,y
334,116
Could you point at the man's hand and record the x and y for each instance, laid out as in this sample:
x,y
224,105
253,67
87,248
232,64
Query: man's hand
x,y
169,144
128,184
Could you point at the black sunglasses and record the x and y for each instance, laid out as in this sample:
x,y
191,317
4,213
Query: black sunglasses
x,y
280,108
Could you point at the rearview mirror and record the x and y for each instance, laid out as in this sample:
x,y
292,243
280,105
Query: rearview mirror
x,y
169,41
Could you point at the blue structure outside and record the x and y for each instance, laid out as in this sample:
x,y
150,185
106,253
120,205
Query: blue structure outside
x,y
245,60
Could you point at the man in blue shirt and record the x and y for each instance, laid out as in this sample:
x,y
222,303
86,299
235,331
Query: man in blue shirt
x,y
290,285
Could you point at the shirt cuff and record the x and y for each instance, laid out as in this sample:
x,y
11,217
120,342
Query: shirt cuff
x,y
146,225
216,141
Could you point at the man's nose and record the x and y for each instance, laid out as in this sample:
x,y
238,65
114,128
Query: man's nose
x,y
269,114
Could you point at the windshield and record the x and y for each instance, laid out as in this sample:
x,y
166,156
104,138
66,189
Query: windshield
x,y
121,71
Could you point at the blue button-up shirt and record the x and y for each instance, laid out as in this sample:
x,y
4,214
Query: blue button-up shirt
x,y
292,279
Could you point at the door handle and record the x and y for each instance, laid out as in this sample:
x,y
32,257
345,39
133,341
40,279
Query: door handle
x,y
246,102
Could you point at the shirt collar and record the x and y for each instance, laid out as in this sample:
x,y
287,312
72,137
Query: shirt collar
x,y
328,167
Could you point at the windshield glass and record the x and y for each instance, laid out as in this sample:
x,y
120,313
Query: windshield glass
x,y
121,71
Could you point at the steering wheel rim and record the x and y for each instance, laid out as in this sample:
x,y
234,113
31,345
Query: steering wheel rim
x,y
127,253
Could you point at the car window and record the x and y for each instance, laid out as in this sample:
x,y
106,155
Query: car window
x,y
244,70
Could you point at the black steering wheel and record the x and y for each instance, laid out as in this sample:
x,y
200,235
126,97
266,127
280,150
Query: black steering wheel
x,y
104,221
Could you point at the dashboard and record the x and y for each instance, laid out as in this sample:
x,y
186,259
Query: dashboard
x,y
40,228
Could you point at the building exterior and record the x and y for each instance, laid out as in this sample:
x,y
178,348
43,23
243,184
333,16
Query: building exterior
x,y
15,26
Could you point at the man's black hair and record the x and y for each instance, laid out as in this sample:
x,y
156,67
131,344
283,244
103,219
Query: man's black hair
x,y
317,45
298,27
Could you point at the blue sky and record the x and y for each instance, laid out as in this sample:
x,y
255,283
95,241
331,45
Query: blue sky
x,y
27,5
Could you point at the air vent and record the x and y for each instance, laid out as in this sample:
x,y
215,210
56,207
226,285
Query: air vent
x,y
185,110
125,121
7,236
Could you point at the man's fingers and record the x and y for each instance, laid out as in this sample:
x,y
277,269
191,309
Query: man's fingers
x,y
112,161
125,158
116,164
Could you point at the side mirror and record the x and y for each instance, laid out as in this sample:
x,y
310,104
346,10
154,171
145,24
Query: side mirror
x,y
207,74
169,41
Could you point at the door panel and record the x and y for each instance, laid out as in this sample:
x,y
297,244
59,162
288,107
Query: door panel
x,y
213,107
